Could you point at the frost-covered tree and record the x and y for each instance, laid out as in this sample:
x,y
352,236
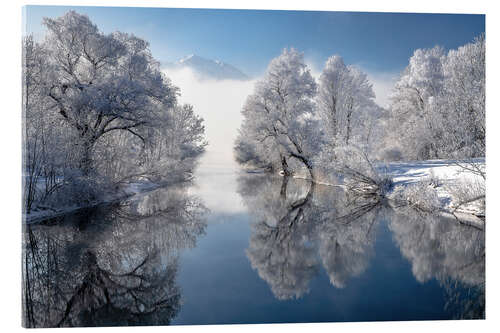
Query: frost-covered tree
x,y
462,104
286,122
438,104
278,118
332,91
412,100
34,156
98,111
350,120
169,152
48,141
102,83
345,97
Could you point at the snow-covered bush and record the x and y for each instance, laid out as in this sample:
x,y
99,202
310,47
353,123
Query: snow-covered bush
x,y
77,189
433,180
420,195
355,168
469,194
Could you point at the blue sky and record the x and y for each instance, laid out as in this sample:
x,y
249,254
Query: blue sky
x,y
249,39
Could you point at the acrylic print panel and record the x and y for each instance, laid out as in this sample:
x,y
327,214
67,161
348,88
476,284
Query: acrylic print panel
x,y
216,166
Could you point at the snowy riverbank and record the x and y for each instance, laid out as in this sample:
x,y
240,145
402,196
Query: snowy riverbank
x,y
451,188
444,185
131,189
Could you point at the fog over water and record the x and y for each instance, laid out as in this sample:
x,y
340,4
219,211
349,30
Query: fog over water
x,y
219,102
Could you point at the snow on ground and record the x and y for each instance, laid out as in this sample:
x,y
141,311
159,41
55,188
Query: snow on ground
x,y
450,181
410,172
131,189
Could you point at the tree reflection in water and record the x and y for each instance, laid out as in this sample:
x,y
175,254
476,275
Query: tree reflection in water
x,y
299,227
441,249
296,220
279,248
111,265
117,265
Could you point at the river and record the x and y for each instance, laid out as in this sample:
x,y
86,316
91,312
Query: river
x,y
249,248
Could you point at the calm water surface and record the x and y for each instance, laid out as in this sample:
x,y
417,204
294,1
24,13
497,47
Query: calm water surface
x,y
249,248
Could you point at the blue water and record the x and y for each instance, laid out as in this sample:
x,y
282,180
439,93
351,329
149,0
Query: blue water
x,y
237,248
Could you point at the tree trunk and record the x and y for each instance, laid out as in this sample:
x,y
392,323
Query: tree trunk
x,y
308,165
334,121
311,172
348,135
284,166
284,184
86,161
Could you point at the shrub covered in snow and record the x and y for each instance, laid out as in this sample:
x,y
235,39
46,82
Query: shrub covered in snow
x,y
419,195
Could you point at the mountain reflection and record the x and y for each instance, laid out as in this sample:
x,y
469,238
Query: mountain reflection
x,y
299,227
111,265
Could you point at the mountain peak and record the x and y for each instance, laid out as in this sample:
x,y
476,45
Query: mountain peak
x,y
209,69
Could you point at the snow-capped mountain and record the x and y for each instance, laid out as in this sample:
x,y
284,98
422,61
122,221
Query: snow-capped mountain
x,y
208,69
